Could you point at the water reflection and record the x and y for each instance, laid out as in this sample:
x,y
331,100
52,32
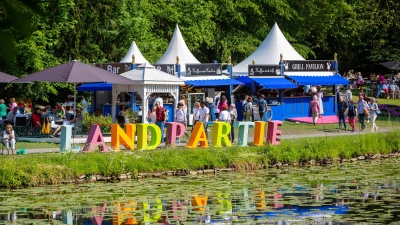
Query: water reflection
x,y
323,195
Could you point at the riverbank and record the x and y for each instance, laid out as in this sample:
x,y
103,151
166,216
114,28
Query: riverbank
x,y
56,168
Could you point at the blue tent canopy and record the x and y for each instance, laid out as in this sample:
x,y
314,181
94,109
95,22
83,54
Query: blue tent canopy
x,y
95,87
212,83
319,80
275,83
246,80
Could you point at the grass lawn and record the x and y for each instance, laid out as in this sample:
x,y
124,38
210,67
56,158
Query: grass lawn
x,y
32,145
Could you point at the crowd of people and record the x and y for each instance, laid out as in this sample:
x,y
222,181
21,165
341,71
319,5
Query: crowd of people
x,y
47,120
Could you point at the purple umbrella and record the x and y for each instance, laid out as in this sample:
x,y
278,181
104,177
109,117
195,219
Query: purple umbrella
x,y
393,65
75,72
5,78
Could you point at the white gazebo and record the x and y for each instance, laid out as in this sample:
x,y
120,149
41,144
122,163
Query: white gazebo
x,y
178,47
268,52
134,50
149,80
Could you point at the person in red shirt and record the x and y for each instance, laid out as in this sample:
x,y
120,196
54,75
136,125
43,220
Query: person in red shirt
x,y
161,118
36,117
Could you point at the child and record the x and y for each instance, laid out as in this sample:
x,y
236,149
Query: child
x,y
9,138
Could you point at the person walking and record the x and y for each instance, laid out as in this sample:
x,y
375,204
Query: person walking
x,y
373,113
245,107
314,109
233,113
204,112
180,117
196,114
349,95
84,106
320,96
362,108
341,113
3,110
262,106
248,108
352,113
161,117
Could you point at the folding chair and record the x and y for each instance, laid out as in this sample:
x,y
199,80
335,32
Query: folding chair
x,y
20,126
78,126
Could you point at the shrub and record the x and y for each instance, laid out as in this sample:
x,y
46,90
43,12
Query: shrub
x,y
103,121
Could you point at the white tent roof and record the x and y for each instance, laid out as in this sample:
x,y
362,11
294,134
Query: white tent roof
x,y
269,51
177,47
134,50
149,75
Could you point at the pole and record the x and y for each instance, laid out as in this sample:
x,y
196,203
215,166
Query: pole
x,y
74,97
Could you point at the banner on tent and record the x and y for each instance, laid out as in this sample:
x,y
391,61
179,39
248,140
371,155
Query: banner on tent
x,y
264,70
203,69
166,68
116,68
309,65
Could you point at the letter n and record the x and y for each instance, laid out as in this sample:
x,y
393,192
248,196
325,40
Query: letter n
x,y
118,136
95,138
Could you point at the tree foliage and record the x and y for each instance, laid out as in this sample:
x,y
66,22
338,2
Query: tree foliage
x,y
38,35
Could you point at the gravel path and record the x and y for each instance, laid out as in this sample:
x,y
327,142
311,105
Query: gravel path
x,y
250,138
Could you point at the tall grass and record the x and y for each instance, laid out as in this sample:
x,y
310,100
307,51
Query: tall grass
x,y
55,168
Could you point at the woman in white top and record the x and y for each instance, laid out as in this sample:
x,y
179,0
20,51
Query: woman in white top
x,y
373,108
151,117
196,113
233,114
180,117
9,138
320,95
184,102
224,116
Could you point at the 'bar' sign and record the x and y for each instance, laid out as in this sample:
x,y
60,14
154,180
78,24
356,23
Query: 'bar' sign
x,y
264,70
203,69
309,65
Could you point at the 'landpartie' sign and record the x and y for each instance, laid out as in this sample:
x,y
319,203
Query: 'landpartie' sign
x,y
198,138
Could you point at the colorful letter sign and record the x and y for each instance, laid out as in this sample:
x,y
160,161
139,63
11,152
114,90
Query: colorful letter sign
x,y
273,132
198,136
243,131
259,133
221,132
155,133
172,132
118,136
95,138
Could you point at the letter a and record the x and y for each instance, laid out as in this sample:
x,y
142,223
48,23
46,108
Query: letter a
x,y
199,203
142,136
221,132
198,135
95,138
118,136
273,132
259,133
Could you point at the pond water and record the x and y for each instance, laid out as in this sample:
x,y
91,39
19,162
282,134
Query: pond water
x,y
336,194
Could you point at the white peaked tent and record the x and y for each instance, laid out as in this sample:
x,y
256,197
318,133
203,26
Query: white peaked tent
x,y
178,47
134,50
269,52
